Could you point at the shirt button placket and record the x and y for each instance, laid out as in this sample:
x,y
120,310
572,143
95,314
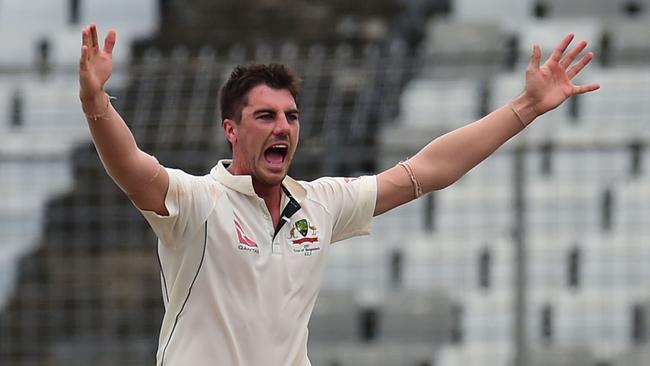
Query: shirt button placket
x,y
275,246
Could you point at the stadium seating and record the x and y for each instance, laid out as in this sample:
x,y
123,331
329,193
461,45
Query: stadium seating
x,y
594,9
448,261
638,356
611,263
439,104
387,355
630,219
358,263
417,317
487,318
572,198
548,268
625,42
474,354
587,318
548,32
455,49
618,111
53,121
334,321
29,17
562,356
407,327
480,201
519,12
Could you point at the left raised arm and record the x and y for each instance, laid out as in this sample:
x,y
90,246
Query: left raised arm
x,y
447,158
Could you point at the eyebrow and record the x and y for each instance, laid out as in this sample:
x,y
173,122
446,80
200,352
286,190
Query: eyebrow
x,y
273,111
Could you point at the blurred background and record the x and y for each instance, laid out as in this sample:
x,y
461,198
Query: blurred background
x,y
539,256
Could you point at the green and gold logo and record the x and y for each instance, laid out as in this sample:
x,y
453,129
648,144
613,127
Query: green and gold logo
x,y
302,226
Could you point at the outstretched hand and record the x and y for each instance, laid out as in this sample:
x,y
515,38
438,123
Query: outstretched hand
x,y
95,65
550,84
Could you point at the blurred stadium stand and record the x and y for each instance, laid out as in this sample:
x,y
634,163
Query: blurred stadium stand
x,y
435,283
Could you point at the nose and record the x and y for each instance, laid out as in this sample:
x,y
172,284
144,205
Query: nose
x,y
282,126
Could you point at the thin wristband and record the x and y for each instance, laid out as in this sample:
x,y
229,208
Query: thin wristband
x,y
525,117
96,117
417,188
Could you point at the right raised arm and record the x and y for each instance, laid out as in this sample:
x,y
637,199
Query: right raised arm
x,y
137,173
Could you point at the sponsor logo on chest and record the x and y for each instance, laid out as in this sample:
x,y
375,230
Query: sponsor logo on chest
x,y
303,236
245,242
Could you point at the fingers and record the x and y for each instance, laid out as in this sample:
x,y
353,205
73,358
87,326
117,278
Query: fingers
x,y
85,51
87,40
572,54
90,41
561,47
83,61
535,57
85,37
109,42
581,89
575,69
93,37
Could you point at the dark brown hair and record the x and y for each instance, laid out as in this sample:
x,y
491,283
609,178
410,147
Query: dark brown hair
x,y
245,77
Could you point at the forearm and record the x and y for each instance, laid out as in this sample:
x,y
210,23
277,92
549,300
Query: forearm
x,y
131,168
449,157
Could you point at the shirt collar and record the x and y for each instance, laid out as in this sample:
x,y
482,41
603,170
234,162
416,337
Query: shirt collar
x,y
244,183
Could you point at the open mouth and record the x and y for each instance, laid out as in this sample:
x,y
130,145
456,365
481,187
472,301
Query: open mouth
x,y
276,154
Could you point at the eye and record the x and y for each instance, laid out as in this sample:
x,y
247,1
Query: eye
x,y
292,117
266,116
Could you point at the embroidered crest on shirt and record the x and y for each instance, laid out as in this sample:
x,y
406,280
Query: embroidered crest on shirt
x,y
304,237
245,243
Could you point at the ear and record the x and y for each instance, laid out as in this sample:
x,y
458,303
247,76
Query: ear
x,y
230,130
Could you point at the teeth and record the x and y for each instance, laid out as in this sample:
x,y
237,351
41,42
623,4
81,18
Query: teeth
x,y
279,146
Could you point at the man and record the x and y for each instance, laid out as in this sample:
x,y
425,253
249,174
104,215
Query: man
x,y
243,248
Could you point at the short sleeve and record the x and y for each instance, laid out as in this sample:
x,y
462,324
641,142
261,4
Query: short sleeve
x,y
189,201
350,201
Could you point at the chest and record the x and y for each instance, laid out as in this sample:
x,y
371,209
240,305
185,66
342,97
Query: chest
x,y
246,243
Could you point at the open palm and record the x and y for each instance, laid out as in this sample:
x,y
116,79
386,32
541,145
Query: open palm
x,y
96,64
550,84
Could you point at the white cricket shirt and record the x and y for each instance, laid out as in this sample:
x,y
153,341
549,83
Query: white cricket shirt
x,y
234,295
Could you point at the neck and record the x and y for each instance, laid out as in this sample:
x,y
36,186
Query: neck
x,y
267,191
272,196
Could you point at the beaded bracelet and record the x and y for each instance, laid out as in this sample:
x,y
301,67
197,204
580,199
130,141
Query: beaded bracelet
x,y
417,189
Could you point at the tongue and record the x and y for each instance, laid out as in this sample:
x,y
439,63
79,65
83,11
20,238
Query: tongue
x,y
274,157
